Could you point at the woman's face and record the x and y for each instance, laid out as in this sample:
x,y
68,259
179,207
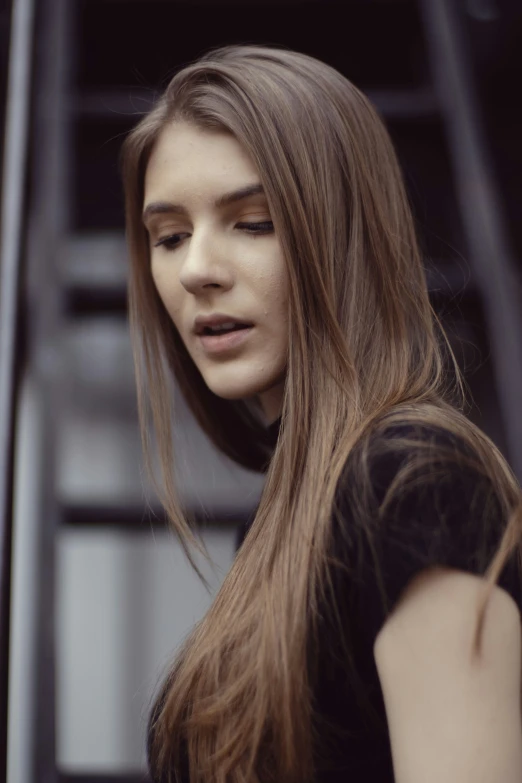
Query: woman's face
x,y
206,259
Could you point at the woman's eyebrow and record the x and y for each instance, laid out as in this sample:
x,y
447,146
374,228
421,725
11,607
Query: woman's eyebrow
x,y
166,207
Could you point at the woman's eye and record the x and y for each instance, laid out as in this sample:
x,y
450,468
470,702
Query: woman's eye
x,y
168,242
257,228
266,227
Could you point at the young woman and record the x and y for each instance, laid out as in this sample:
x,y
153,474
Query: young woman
x,y
369,627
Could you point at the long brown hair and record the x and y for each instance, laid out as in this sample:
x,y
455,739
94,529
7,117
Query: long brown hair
x,y
366,350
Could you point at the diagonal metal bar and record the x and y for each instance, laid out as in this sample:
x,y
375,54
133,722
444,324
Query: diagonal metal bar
x,y
498,280
11,228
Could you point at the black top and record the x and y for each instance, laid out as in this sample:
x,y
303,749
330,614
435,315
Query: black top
x,y
431,524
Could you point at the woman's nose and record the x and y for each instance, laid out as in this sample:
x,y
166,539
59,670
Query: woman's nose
x,y
204,261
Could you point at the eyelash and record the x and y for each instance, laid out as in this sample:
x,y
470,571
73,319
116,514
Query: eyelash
x,y
248,227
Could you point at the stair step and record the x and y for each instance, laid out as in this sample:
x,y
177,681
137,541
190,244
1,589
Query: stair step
x,y
94,271
72,777
397,103
136,517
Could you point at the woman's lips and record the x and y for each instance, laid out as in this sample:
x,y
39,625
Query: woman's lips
x,y
220,343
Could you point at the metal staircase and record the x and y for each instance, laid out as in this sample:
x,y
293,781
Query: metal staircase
x,y
69,449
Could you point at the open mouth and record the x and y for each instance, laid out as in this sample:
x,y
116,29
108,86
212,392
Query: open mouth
x,y
208,330
225,339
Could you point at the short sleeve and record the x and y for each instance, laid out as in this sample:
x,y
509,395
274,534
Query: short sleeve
x,y
451,517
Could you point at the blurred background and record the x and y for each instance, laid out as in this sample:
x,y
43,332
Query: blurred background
x,y
95,593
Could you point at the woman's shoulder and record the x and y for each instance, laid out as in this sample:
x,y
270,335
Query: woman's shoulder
x,y
427,501
391,446
417,446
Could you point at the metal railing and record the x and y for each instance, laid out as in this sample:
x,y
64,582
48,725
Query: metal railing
x,y
492,260
11,250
